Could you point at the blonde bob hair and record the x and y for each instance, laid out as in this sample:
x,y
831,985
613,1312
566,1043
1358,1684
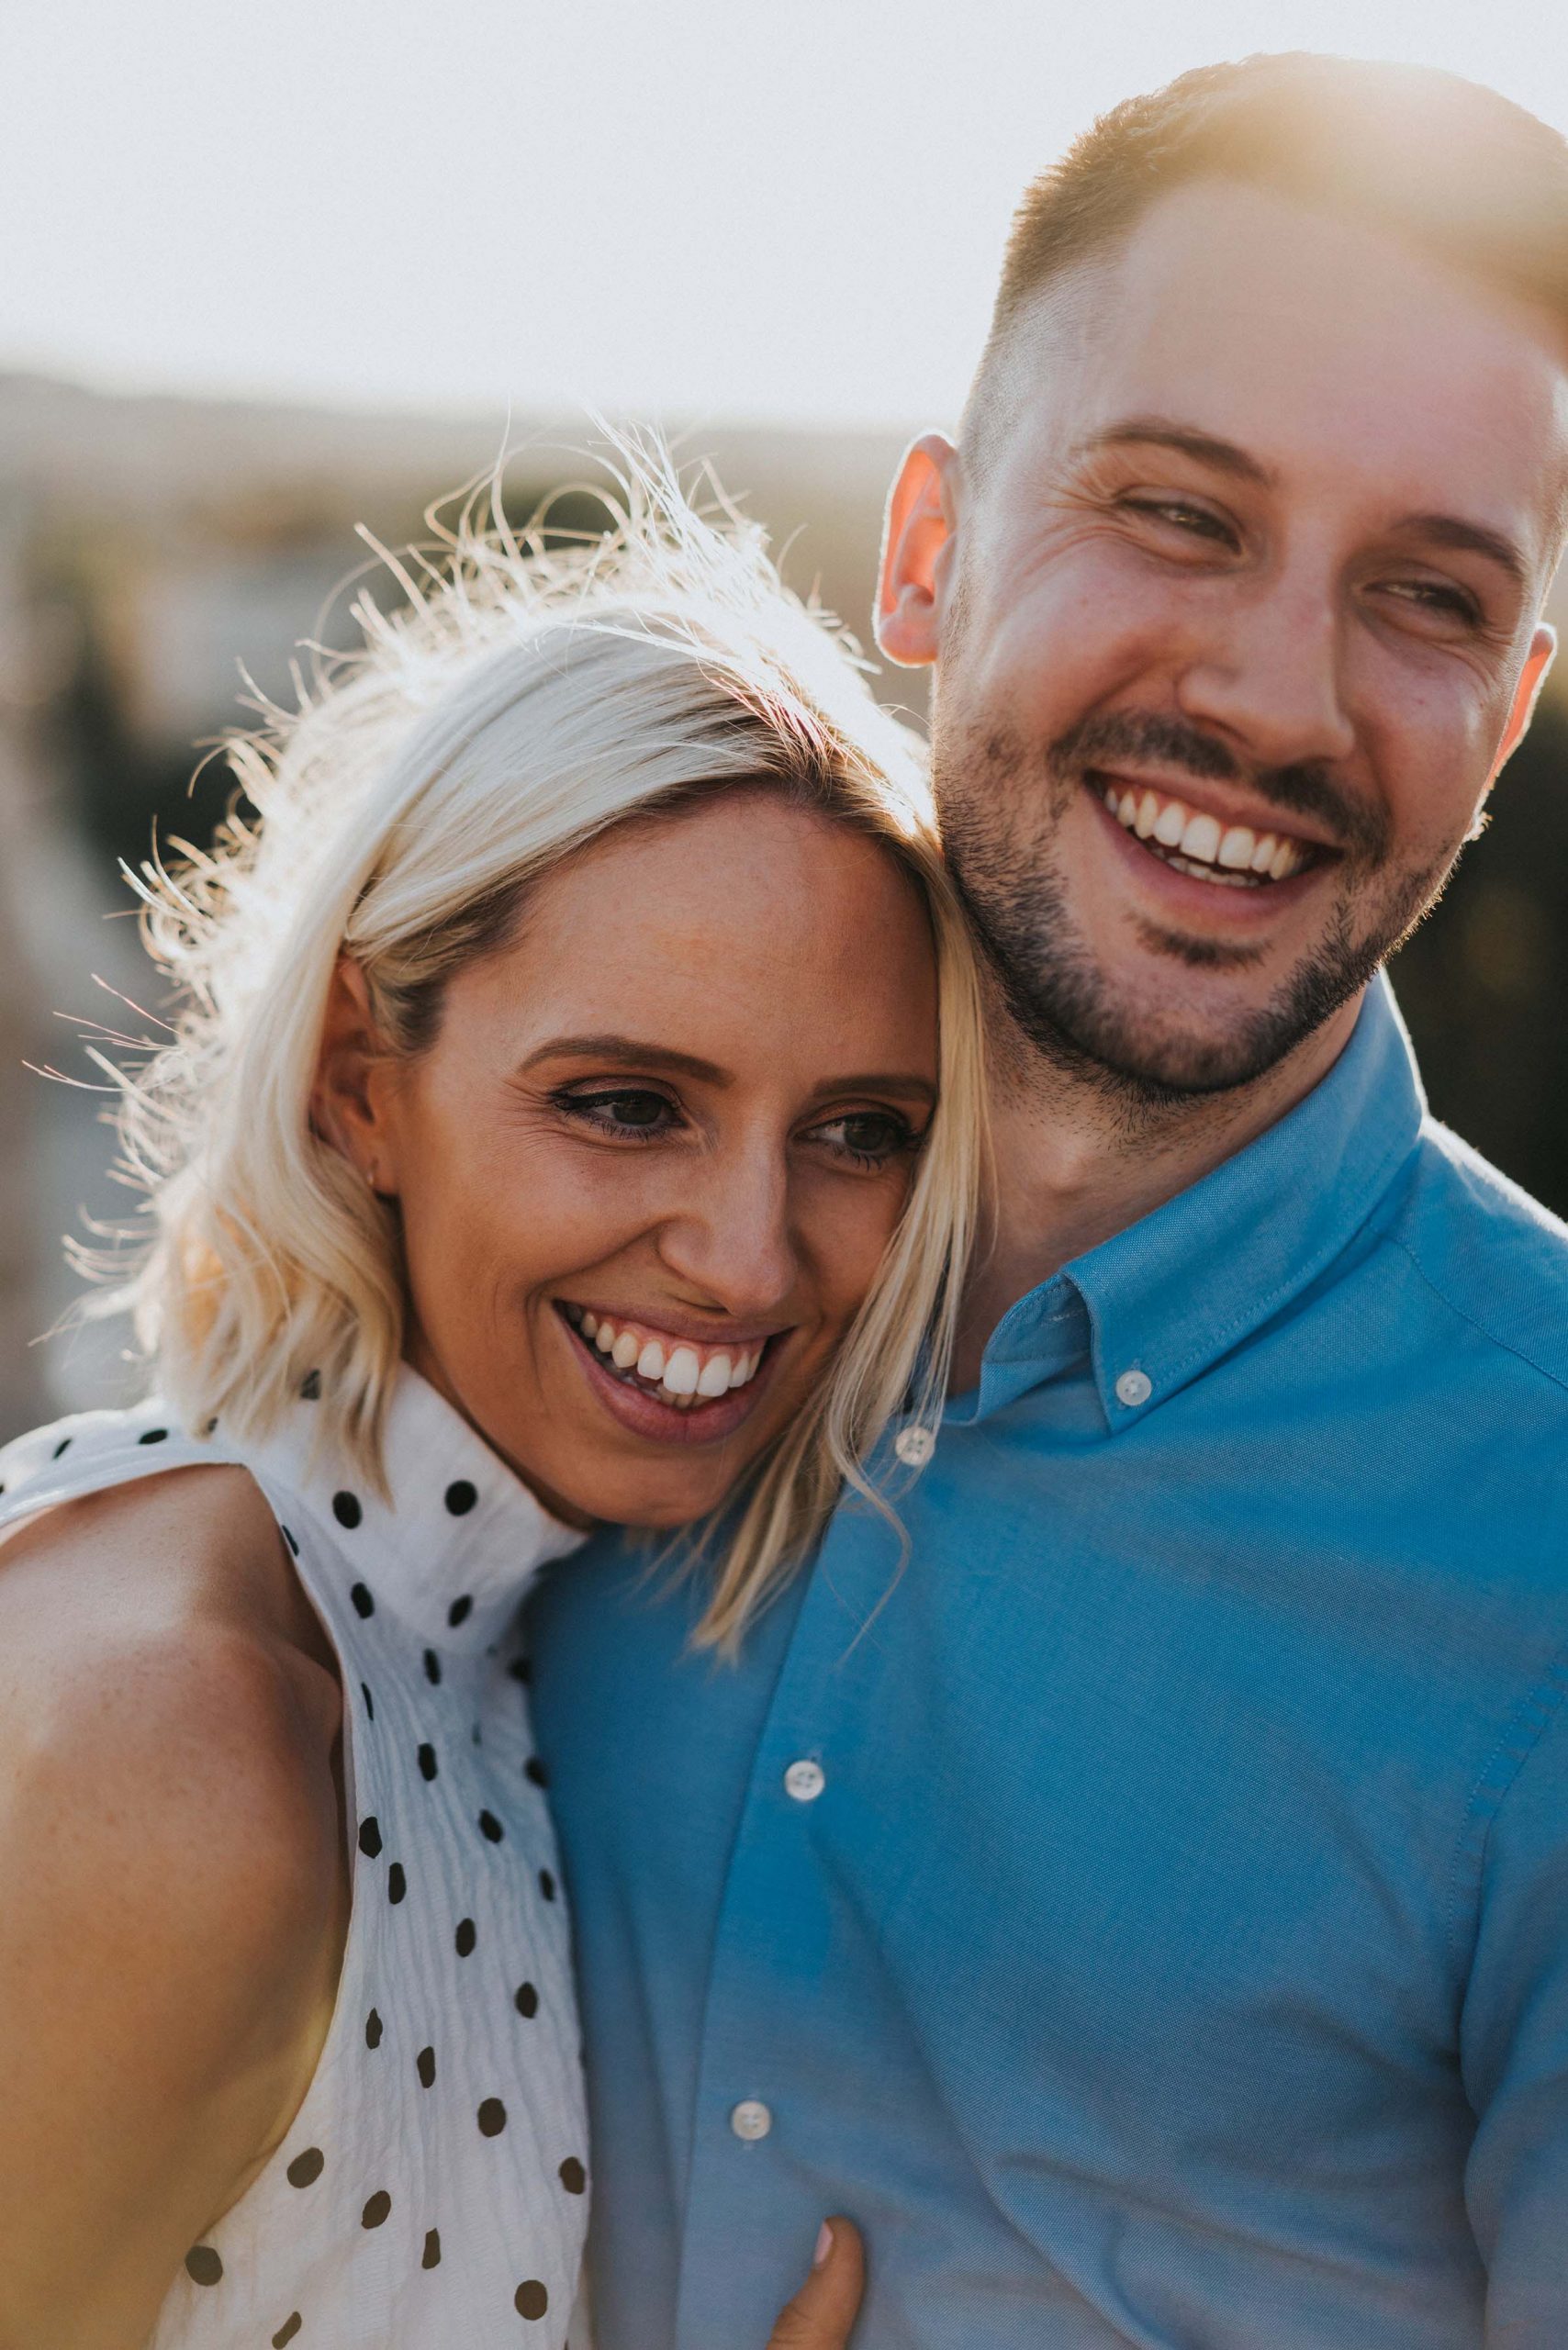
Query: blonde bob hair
x,y
521,699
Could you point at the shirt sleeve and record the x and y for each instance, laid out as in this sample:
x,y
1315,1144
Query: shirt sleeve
x,y
1514,2050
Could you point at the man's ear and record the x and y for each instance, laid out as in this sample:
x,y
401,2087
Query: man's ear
x,y
346,1108
919,540
1542,652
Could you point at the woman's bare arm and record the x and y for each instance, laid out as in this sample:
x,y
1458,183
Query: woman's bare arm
x,y
172,1917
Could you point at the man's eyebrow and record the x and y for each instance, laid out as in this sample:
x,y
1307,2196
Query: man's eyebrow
x,y
627,1052
1467,538
1188,439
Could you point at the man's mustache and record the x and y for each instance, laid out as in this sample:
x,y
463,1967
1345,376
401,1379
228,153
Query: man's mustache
x,y
1304,789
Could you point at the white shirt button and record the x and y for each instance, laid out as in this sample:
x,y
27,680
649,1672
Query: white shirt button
x,y
1133,1388
751,2119
914,1446
805,1781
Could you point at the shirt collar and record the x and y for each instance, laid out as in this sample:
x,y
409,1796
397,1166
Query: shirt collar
x,y
457,1525
1168,1296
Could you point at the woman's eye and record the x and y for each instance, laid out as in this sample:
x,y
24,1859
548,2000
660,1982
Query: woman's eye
x,y
628,1110
869,1137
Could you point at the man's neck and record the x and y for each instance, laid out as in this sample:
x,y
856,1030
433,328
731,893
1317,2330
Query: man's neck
x,y
1073,1166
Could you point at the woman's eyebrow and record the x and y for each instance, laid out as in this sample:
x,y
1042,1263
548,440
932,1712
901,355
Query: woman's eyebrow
x,y
901,1083
628,1052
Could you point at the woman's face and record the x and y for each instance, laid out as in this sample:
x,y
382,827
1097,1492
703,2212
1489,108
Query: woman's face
x,y
648,1168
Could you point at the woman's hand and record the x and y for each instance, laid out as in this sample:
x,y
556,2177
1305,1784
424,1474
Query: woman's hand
x,y
820,2316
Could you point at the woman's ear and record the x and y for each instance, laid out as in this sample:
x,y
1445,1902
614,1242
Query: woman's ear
x,y
348,1108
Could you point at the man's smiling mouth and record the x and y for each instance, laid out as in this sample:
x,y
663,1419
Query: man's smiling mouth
x,y
1236,857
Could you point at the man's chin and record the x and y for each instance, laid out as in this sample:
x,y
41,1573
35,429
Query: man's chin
x,y
1169,1042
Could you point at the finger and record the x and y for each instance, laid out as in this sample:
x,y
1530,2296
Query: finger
x,y
820,2316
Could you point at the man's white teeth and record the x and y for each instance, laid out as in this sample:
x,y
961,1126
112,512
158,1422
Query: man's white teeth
x,y
1234,854
682,1375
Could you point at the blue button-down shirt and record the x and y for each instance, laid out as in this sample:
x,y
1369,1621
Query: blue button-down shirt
x,y
1176,1950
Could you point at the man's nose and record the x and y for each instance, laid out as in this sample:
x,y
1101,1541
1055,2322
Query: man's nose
x,y
1269,675
730,1239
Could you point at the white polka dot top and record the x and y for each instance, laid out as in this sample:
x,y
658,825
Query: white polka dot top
x,y
432,2193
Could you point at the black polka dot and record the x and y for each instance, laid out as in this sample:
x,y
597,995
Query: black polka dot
x,y
64,1445
363,1603
310,1386
432,2259
306,2169
376,2209
531,2300
202,2265
492,2118
426,1762
490,1828
467,1937
154,1436
460,1611
287,1533
573,2177
424,2064
370,1837
211,1426
527,1999
461,1497
369,1701
287,2331
521,1668
396,1883
373,2029
548,1884
346,1510
477,1735
432,1667
534,1770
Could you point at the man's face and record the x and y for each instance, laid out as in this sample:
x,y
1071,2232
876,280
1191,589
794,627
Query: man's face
x,y
1234,620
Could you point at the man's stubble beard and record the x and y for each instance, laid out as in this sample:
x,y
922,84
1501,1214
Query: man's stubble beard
x,y
1065,1007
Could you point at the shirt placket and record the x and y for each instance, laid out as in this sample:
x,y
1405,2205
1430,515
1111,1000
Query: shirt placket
x,y
748,2206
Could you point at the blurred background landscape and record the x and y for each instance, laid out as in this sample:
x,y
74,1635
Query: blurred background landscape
x,y
276,275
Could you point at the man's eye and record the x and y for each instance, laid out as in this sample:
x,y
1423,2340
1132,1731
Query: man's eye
x,y
1438,598
622,1110
1196,521
869,1137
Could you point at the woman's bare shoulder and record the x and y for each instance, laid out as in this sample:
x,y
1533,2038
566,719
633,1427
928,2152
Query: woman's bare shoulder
x,y
155,1699
169,1825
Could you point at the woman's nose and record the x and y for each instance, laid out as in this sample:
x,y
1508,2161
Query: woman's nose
x,y
730,1236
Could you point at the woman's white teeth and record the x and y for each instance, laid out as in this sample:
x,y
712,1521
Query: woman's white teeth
x,y
1201,844
683,1375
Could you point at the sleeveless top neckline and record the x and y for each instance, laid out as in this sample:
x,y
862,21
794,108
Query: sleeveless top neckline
x,y
432,2189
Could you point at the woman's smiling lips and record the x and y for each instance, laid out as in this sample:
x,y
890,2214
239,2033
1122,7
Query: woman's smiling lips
x,y
662,1384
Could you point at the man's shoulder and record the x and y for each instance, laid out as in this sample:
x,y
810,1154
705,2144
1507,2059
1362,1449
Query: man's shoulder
x,y
1488,1253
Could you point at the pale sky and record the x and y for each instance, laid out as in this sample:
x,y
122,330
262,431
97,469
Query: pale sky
x,y
771,210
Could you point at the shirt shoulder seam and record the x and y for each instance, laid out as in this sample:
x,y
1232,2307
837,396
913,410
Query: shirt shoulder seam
x,y
1522,1736
1482,1329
